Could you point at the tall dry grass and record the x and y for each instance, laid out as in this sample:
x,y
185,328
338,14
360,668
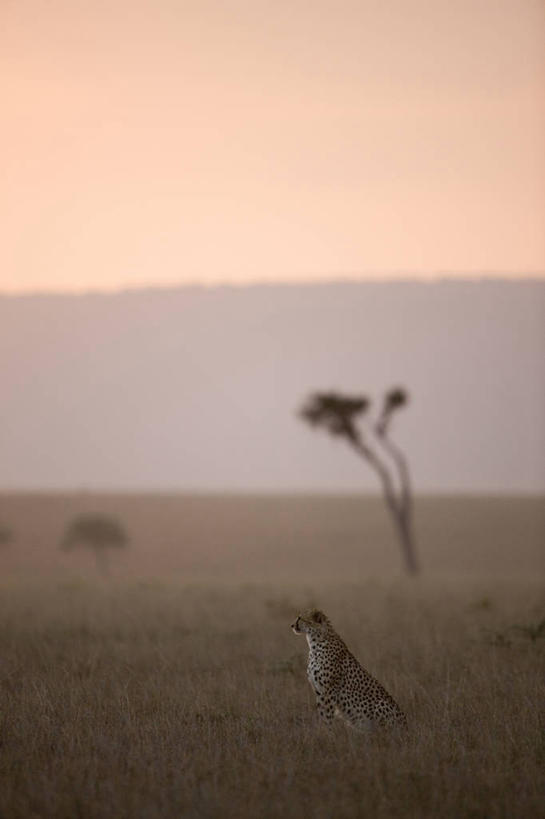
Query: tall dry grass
x,y
160,699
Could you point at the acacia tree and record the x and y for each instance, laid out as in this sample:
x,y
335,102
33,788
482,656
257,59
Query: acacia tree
x,y
6,535
98,533
338,414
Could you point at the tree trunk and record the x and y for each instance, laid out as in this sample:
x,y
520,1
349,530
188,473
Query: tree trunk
x,y
400,507
404,527
102,561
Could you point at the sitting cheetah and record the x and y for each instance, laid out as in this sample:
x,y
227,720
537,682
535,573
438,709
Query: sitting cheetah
x,y
341,685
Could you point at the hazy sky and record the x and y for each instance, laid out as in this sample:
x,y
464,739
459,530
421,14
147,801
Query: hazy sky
x,y
198,388
156,141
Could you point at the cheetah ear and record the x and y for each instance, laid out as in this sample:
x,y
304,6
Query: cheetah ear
x,y
318,616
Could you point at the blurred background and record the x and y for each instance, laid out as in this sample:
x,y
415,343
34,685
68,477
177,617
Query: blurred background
x,y
272,333
212,211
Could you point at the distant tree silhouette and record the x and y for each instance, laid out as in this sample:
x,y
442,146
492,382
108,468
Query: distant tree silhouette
x,y
99,533
6,535
338,414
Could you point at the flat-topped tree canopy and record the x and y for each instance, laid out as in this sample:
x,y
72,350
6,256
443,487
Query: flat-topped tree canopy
x,y
96,531
335,412
396,397
6,535
99,534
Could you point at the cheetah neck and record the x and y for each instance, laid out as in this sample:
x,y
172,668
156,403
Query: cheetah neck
x,y
314,641
327,640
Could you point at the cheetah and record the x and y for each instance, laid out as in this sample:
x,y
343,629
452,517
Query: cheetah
x,y
342,687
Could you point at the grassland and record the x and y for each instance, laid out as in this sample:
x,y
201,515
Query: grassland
x,y
177,689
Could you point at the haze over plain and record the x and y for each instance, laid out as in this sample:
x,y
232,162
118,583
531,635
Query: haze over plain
x,y
197,388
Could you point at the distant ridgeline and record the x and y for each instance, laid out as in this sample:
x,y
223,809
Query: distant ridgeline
x,y
198,388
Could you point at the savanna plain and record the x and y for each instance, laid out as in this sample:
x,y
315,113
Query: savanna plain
x,y
175,687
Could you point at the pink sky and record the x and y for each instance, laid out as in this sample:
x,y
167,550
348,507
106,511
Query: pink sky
x,y
169,141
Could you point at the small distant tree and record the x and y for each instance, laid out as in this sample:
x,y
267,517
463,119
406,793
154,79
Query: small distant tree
x,y
99,533
6,535
339,415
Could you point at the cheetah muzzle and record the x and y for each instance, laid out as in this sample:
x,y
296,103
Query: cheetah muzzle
x,y
342,687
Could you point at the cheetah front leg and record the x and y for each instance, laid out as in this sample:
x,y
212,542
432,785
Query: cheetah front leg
x,y
325,707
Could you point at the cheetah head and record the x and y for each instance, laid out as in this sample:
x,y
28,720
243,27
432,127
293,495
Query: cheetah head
x,y
309,621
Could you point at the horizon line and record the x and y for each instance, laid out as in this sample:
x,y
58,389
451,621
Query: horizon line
x,y
393,277
264,492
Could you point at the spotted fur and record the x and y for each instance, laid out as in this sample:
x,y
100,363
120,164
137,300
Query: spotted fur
x,y
342,687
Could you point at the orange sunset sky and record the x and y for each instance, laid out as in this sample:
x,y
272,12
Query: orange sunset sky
x,y
175,141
